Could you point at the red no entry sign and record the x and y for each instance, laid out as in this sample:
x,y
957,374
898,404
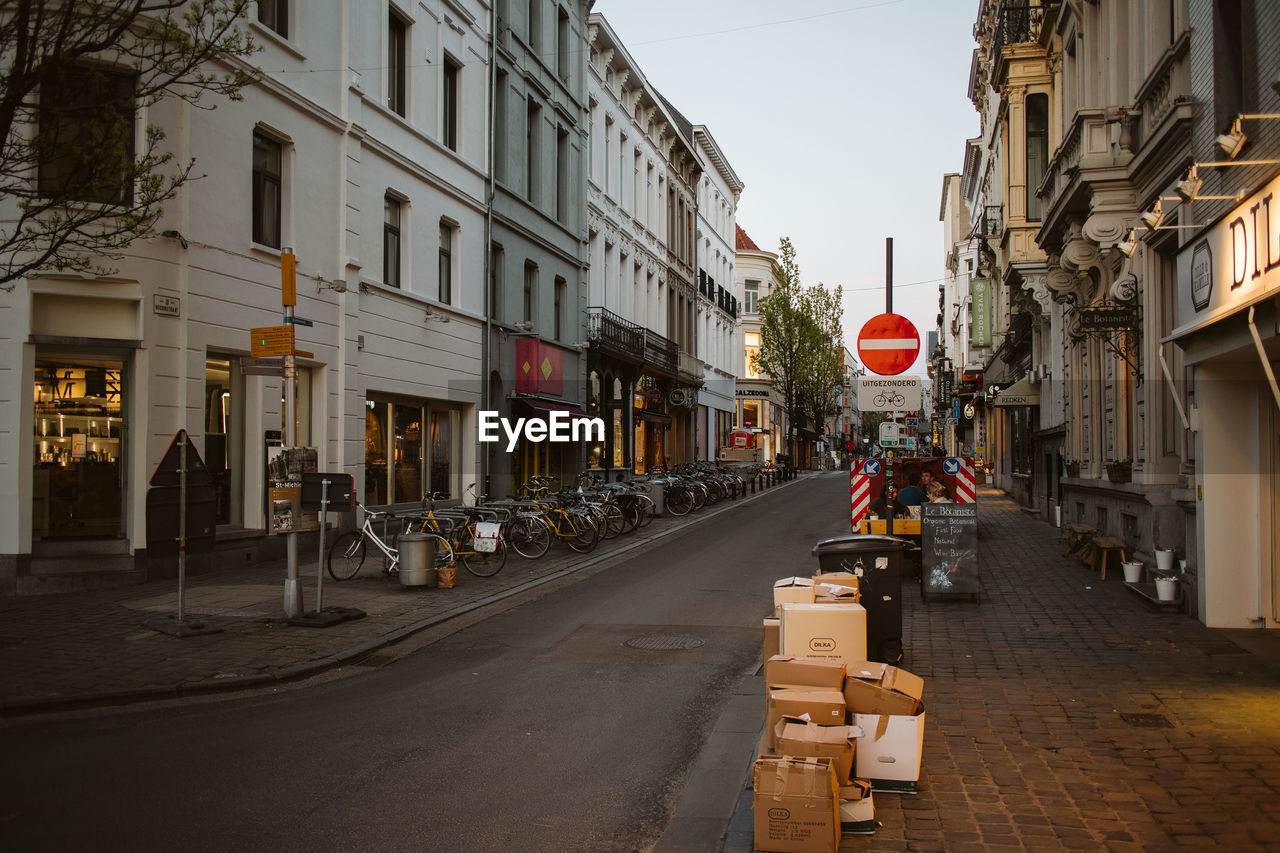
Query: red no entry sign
x,y
888,344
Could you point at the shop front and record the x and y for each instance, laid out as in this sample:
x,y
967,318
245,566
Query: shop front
x,y
1229,331
653,426
412,448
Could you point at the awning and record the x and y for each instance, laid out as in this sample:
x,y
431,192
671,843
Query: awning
x,y
807,434
542,407
1020,393
653,417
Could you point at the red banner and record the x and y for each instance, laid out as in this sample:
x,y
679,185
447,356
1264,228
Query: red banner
x,y
539,368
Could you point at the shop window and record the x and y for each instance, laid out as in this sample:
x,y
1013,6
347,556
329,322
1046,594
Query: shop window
x,y
416,464
86,136
375,453
224,434
78,487
445,428
407,449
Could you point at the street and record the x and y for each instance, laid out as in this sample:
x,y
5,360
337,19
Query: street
x,y
538,729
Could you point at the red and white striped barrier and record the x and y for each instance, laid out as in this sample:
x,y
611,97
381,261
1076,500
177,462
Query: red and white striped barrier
x,y
965,491
862,485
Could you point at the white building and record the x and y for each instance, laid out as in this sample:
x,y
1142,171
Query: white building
x,y
364,150
760,406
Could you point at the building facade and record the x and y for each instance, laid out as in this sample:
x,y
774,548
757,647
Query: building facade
x,y
760,407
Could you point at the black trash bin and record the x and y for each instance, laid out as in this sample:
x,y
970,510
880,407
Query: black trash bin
x,y
877,561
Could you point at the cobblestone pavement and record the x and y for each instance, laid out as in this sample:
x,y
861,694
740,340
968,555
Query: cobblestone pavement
x,y
93,648
1063,714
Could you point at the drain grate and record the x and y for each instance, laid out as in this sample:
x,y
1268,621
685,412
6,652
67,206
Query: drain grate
x,y
665,642
1147,721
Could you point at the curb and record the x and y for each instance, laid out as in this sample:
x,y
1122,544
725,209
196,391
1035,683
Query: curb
x,y
301,671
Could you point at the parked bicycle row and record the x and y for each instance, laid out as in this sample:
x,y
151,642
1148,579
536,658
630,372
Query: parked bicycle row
x,y
541,513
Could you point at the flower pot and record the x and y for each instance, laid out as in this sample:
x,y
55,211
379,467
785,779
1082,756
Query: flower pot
x,y
1164,560
1132,572
1166,589
1073,470
1119,473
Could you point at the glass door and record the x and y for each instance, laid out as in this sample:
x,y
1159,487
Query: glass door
x,y
78,479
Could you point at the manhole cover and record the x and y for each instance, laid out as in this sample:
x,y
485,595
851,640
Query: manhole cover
x,y
665,642
1147,721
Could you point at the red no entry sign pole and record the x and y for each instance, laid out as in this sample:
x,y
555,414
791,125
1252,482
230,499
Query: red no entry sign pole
x,y
888,344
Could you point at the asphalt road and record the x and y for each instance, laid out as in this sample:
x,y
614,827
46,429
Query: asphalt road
x,y
566,722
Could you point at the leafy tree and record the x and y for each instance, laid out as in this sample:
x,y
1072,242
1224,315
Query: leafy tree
x,y
75,183
823,373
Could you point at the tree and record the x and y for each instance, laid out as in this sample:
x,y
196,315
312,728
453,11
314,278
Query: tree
x,y
782,337
76,184
823,370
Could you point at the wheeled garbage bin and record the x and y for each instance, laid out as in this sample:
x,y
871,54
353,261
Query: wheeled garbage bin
x,y
417,560
877,561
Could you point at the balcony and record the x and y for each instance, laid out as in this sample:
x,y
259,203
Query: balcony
x,y
1018,25
691,368
660,352
613,335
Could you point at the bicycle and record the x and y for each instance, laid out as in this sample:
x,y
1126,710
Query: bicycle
x,y
482,556
895,401
347,553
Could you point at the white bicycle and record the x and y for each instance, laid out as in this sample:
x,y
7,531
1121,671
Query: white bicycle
x,y
346,555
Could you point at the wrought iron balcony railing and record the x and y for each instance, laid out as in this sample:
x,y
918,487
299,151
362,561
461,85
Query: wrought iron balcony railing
x,y
1018,25
661,352
614,334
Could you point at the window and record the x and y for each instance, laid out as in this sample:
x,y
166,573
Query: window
x,y
752,341
1229,84
397,62
86,135
391,241
446,261
562,45
533,118
420,460
530,289
1037,150
535,24
223,434
500,151
751,295
496,261
267,174
449,104
561,291
562,175
274,15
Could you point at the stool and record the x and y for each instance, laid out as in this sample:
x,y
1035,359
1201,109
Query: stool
x,y
1078,536
1103,546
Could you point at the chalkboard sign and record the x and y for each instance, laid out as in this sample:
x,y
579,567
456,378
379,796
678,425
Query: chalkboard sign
x,y
949,549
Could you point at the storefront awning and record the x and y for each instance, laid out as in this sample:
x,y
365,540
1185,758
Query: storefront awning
x,y
654,417
543,407
1020,393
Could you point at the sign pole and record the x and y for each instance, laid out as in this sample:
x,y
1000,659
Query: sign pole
x,y
292,587
182,525
324,517
888,275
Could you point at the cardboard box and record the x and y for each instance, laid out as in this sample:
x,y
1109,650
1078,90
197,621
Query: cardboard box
x,y
795,805
878,688
824,707
772,637
839,593
784,671
857,811
797,738
833,631
888,753
841,578
792,590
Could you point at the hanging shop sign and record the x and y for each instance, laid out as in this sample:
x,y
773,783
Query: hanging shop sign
x,y
1103,319
980,304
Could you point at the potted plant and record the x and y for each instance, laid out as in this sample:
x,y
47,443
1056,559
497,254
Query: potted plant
x,y
1072,467
1121,471
1166,584
1132,571
1166,561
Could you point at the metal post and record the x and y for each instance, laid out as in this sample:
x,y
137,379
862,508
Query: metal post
x,y
324,515
182,523
292,586
888,275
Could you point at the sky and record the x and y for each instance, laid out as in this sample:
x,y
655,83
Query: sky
x,y
841,118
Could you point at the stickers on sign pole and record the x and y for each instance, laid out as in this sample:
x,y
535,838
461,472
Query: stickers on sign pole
x,y
888,344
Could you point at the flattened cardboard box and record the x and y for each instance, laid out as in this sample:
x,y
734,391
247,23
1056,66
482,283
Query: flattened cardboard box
x,y
833,631
824,707
878,688
792,591
772,637
844,592
800,739
857,810
795,804
788,671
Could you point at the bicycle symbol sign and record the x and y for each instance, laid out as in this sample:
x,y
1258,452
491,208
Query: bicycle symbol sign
x,y
951,465
871,467
890,400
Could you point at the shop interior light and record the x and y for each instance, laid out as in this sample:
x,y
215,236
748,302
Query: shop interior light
x,y
1128,245
1233,140
1154,216
1189,186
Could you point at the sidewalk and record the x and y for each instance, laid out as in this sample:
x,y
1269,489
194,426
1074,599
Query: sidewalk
x,y
92,648
1063,713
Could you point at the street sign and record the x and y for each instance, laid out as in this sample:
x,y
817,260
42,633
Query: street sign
x,y
299,321
890,394
262,366
912,421
871,467
951,465
271,340
889,434
888,344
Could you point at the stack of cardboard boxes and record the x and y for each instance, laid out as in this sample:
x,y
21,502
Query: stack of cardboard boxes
x,y
837,726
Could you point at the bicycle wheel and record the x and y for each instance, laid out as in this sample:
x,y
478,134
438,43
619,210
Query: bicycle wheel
x,y
630,516
679,500
647,508
445,555
480,563
529,536
346,555
584,532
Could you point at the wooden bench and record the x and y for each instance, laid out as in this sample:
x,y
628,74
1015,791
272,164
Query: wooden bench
x,y
1103,547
